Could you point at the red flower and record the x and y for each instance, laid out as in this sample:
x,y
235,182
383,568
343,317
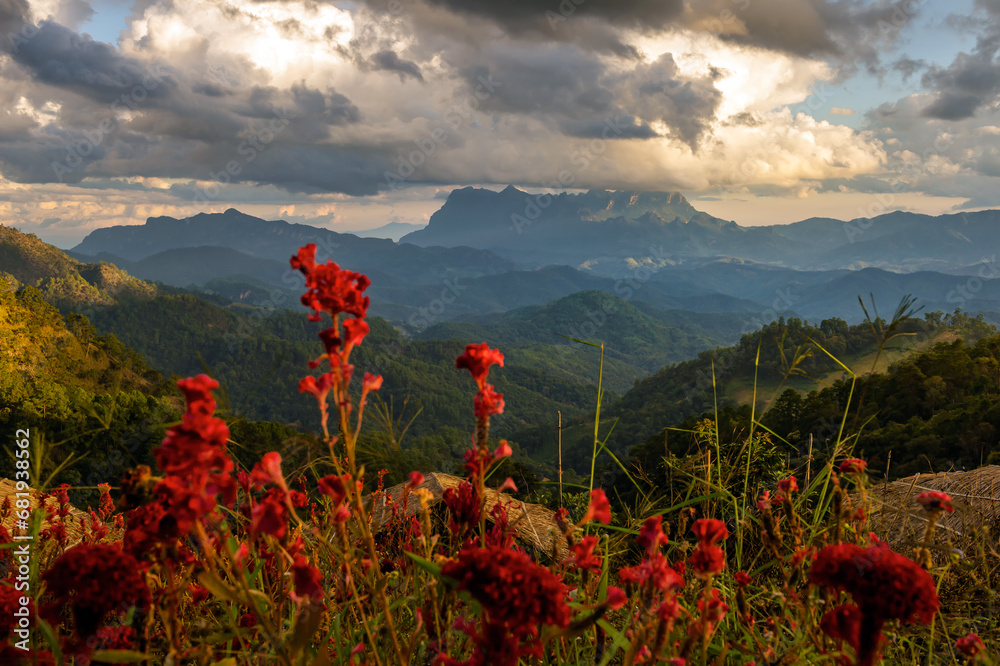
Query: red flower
x,y
743,578
193,457
93,581
843,623
707,560
654,571
710,531
268,470
599,508
10,603
477,359
115,638
371,383
651,535
198,594
416,478
788,486
464,506
513,590
711,611
616,598
355,331
146,528
503,451
270,516
884,585
330,289
307,578
970,646
935,502
582,554
488,403
764,503
853,466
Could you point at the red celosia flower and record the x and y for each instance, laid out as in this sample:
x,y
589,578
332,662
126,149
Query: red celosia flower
x,y
710,531
970,646
503,451
843,623
355,331
147,528
115,638
599,508
764,503
10,603
707,561
416,478
512,589
335,487
582,554
654,571
268,470
330,289
711,611
788,486
508,484
307,578
651,535
94,580
464,507
270,516
488,403
743,578
884,585
853,467
193,457
935,502
371,383
477,359
616,598
198,594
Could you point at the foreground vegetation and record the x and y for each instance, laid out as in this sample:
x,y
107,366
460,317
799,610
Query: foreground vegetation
x,y
209,561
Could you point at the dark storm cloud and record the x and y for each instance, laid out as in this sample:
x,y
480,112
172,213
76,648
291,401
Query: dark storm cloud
x,y
389,61
575,91
850,32
972,80
60,57
534,14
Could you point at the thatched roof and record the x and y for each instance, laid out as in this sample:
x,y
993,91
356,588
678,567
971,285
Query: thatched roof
x,y
532,523
897,517
73,529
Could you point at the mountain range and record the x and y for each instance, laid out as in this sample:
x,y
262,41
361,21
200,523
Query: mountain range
x,y
487,252
612,231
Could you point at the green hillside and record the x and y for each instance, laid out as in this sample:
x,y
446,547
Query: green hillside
x,y
639,339
63,281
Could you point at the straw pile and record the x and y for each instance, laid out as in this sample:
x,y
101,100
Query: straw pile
x,y
897,518
533,524
74,531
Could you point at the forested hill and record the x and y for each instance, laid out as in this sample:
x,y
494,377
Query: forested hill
x,y
65,282
86,394
792,368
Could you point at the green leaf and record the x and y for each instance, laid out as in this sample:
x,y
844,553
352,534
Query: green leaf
x,y
426,565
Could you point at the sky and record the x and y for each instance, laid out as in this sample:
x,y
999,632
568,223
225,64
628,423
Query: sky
x,y
350,115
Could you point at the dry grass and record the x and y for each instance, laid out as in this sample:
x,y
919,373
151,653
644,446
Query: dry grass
x,y
533,524
74,531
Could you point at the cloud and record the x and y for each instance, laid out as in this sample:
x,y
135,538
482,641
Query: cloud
x,y
840,111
